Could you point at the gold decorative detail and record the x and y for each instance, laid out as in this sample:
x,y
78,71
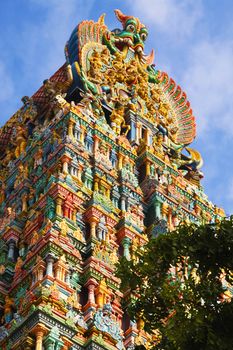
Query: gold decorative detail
x,y
64,227
78,234
21,141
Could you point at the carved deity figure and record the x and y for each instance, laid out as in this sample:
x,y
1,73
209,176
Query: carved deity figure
x,y
21,141
38,157
113,256
102,155
157,144
59,103
49,88
29,111
34,238
18,264
95,66
78,234
118,121
132,73
64,227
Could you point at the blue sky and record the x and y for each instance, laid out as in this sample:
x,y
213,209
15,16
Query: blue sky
x,y
193,41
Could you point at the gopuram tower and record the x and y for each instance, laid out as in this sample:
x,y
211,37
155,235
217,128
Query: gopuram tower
x,y
94,164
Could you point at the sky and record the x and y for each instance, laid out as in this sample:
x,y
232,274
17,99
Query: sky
x,y
193,42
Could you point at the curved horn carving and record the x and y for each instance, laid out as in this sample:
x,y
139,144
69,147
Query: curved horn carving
x,y
101,19
150,58
121,17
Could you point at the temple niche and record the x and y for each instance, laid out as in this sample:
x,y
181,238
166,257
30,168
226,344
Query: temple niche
x,y
93,165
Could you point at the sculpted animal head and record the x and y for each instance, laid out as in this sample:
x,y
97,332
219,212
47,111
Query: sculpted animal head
x,y
132,36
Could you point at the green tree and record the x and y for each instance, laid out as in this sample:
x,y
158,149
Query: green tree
x,y
177,278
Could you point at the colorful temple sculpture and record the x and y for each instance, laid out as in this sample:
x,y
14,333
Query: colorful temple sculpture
x,y
94,164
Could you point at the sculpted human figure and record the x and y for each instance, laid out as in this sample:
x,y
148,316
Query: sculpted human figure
x,y
118,120
21,141
49,88
95,66
157,143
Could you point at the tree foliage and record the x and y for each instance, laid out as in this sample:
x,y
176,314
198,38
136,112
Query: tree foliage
x,y
177,285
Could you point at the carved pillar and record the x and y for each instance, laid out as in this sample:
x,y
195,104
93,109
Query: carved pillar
x,y
133,130
91,284
158,210
11,250
96,185
91,293
67,277
71,128
74,215
75,132
82,134
96,144
138,132
39,340
59,206
66,210
108,233
108,192
147,168
123,204
93,224
24,202
65,162
164,210
120,161
147,137
126,245
169,219
79,175
39,333
49,267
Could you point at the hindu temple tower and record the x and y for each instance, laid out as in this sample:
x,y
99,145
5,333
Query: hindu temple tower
x,y
93,164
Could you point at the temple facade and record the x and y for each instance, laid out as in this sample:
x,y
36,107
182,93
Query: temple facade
x,y
95,163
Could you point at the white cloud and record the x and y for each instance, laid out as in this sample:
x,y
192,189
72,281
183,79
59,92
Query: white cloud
x,y
176,18
208,82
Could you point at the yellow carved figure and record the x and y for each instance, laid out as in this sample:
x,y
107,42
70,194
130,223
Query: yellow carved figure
x,y
157,144
163,109
95,66
18,264
64,228
118,121
20,141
